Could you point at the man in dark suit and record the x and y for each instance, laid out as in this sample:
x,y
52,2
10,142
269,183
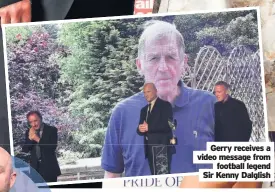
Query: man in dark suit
x,y
41,141
232,122
153,125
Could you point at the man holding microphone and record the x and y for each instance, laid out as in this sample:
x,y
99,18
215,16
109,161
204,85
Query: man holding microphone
x,y
41,142
154,126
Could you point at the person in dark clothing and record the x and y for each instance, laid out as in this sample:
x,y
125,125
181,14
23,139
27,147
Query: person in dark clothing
x,y
154,127
41,142
232,122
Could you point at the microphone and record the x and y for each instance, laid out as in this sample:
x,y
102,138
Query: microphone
x,y
147,115
175,122
149,108
146,122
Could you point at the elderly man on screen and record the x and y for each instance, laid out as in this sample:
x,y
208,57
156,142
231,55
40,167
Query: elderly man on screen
x,y
161,60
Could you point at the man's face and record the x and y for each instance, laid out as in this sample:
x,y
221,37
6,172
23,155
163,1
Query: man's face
x,y
7,177
220,92
162,64
150,92
34,121
4,179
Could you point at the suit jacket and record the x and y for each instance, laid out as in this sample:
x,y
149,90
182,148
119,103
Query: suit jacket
x,y
232,122
52,9
159,132
48,142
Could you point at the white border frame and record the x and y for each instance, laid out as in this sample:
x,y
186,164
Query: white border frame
x,y
128,17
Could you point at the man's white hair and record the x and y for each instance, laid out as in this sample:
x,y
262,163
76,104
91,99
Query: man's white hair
x,y
156,29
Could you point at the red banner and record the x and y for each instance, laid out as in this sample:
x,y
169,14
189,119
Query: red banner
x,y
143,7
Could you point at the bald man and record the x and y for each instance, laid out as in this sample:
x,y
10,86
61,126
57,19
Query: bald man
x,y
7,175
154,127
193,182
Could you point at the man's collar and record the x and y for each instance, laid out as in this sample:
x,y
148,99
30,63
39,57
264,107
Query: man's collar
x,y
154,101
226,99
41,126
183,98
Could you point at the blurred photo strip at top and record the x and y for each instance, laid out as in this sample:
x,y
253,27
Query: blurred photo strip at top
x,y
45,10
163,6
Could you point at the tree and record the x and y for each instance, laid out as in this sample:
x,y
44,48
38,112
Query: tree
x,y
100,66
223,30
33,81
